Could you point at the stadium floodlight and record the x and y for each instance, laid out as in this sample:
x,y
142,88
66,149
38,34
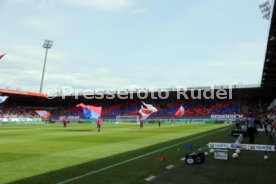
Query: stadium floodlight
x,y
47,45
265,9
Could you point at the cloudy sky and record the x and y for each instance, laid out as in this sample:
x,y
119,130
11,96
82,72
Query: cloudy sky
x,y
107,44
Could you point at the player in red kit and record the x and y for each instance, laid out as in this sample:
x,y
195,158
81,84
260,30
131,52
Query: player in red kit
x,y
64,123
99,124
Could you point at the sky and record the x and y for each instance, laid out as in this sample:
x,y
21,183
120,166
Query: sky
x,y
121,44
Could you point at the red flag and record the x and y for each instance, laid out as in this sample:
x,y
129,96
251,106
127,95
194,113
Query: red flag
x,y
90,112
42,113
180,111
2,55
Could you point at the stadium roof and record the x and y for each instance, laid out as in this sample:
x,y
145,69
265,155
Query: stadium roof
x,y
269,70
24,93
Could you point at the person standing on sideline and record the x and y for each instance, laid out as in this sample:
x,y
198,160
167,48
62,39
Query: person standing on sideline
x,y
273,133
99,124
159,122
251,129
238,123
64,122
266,122
141,123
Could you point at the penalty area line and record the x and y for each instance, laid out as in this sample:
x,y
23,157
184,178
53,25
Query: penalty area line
x,y
138,157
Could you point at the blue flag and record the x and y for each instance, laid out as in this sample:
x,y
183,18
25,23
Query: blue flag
x,y
90,112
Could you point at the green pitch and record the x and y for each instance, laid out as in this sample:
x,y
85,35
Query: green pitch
x,y
51,153
118,154
249,168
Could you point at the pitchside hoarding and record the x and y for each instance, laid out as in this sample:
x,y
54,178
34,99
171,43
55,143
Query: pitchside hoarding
x,y
20,120
222,117
252,147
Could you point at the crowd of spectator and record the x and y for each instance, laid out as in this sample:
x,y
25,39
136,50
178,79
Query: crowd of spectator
x,y
193,108
17,112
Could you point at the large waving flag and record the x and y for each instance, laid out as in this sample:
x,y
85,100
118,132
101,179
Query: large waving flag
x,y
90,112
180,112
150,107
146,112
3,99
2,55
42,113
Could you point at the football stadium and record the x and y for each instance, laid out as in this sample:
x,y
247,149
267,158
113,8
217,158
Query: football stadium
x,y
200,134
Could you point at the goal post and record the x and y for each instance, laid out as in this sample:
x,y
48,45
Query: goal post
x,y
127,119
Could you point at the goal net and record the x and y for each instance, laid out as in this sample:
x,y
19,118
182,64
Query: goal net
x,y
127,119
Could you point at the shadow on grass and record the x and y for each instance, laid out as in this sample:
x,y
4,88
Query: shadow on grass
x,y
77,170
79,130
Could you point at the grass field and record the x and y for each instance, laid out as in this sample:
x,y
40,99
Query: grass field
x,y
249,168
28,151
52,154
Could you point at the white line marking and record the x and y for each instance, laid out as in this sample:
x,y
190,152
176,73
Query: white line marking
x,y
141,156
169,167
150,178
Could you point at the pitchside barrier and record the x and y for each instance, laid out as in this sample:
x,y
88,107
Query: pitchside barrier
x,y
128,120
238,145
16,121
135,120
23,123
184,121
163,121
252,147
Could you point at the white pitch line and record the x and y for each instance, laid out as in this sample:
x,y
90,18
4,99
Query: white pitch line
x,y
169,167
150,178
141,156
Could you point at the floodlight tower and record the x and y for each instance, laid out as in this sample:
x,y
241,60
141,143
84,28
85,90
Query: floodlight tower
x,y
265,9
47,45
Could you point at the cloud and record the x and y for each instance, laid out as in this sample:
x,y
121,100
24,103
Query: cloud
x,y
23,64
23,1
44,24
37,3
228,64
105,5
140,11
121,51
